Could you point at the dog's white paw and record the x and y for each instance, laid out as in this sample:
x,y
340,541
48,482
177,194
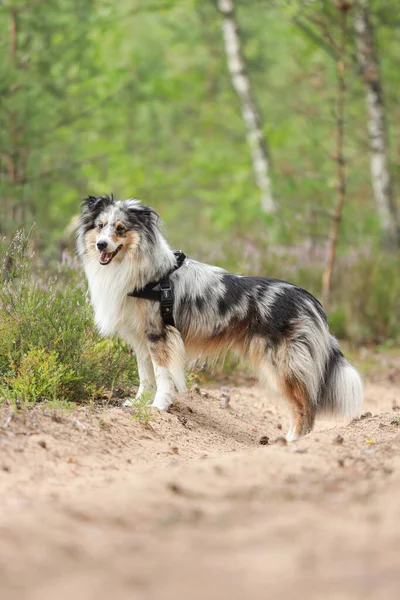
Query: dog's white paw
x,y
142,397
291,435
162,402
129,402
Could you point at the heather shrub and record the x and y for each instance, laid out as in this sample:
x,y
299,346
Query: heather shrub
x,y
48,346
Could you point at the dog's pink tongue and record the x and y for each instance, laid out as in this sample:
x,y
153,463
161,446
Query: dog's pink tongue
x,y
104,256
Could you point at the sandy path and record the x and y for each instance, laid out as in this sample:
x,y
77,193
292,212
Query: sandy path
x,y
95,504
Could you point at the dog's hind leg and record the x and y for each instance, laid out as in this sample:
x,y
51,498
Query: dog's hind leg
x,y
303,411
168,357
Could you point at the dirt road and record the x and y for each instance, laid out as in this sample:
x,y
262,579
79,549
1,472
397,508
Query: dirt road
x,y
97,505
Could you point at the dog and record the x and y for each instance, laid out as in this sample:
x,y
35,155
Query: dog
x,y
279,328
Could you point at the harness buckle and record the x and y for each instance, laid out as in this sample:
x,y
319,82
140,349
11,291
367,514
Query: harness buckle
x,y
166,301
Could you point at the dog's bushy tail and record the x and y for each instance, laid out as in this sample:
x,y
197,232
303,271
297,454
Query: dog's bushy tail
x,y
342,391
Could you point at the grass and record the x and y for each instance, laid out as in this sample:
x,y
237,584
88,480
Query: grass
x,y
143,412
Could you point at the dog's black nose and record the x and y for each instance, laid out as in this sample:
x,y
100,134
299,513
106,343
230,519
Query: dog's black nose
x,y
101,245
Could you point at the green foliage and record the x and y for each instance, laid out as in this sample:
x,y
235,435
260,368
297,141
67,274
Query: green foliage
x,y
142,410
134,97
368,293
338,322
366,300
39,377
48,346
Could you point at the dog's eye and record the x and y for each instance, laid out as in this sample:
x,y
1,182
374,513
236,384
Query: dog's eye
x,y
100,225
120,230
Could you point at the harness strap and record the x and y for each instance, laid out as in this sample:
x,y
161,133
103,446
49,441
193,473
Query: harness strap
x,y
165,296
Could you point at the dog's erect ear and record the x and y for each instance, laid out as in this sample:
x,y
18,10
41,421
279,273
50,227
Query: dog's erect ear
x,y
137,211
97,203
146,215
151,214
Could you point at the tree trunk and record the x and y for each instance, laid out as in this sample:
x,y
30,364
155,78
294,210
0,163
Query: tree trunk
x,y
12,162
241,85
340,160
377,133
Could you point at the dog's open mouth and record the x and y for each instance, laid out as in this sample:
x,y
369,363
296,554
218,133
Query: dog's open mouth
x,y
106,257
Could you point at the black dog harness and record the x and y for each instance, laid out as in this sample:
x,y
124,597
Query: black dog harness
x,y
165,295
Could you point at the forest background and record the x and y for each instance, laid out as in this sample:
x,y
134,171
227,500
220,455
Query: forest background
x,y
265,133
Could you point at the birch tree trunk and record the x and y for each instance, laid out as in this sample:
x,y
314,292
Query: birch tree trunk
x,y
377,132
241,85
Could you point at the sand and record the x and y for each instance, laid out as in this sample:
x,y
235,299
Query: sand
x,y
96,504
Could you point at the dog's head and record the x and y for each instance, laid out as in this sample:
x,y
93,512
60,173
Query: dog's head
x,y
108,230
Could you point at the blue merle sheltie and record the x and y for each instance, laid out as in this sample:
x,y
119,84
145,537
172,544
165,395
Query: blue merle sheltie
x,y
279,328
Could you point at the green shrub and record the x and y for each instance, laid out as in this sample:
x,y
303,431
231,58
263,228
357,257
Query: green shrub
x,y
47,334
367,297
39,377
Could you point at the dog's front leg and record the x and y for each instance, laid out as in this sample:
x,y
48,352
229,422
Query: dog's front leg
x,y
168,357
147,380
